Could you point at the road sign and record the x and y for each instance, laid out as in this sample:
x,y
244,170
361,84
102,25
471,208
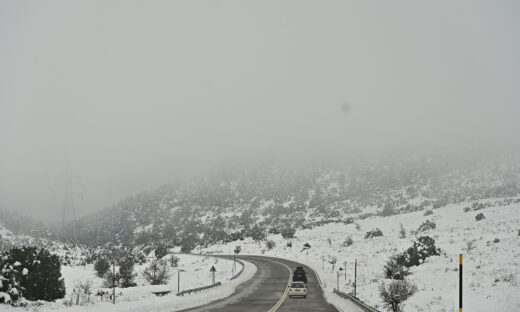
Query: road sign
x,y
213,269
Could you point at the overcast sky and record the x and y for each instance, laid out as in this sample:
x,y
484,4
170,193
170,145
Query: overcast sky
x,y
130,95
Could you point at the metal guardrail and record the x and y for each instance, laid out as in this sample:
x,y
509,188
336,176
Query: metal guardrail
x,y
360,303
194,290
239,272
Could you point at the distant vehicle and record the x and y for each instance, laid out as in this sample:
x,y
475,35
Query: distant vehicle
x,y
297,289
299,275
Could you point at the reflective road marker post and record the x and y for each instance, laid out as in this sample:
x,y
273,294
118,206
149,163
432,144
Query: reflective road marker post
x,y
460,283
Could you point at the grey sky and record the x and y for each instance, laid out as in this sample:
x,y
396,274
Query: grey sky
x,y
137,93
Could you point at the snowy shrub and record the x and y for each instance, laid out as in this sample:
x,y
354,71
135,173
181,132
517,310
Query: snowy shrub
x,y
288,232
480,216
32,274
395,267
349,220
427,225
374,233
428,212
347,242
156,273
289,244
395,293
470,245
269,244
189,242
358,226
257,233
101,266
126,272
421,249
363,216
388,210
112,279
174,261
439,203
161,251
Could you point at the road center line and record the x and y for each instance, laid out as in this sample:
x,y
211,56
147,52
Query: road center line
x,y
284,296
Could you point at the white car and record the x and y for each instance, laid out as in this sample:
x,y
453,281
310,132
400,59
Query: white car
x,y
297,289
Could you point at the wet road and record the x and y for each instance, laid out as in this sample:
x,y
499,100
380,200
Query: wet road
x,y
266,290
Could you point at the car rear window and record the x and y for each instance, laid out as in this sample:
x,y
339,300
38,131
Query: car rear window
x,y
297,285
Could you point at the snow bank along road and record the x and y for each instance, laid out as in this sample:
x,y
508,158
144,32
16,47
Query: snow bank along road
x,y
266,291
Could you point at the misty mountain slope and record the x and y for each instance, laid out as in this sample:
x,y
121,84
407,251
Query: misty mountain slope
x,y
235,204
491,249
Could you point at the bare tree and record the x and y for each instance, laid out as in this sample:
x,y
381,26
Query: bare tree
x,y
402,232
332,260
86,287
395,293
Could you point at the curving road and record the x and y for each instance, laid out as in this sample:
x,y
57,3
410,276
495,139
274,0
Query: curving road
x,y
266,290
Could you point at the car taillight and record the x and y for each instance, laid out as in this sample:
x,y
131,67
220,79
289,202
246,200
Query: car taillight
x,y
305,289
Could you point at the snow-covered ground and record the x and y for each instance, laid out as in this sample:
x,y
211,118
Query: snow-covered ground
x,y
194,270
491,268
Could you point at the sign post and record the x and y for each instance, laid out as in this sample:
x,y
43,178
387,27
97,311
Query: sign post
x,y
178,280
355,277
213,270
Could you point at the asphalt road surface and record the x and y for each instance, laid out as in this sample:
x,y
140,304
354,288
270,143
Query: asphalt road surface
x,y
266,290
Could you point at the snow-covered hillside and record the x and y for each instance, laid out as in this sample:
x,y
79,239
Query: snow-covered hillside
x,y
235,204
492,265
194,273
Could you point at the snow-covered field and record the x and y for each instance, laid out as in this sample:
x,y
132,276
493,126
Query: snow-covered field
x,y
491,268
194,270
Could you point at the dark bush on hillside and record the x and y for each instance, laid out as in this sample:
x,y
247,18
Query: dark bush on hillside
x,y
174,261
374,233
189,242
347,242
428,212
257,233
288,232
31,273
421,249
161,251
480,216
395,267
427,225
126,272
269,244
388,210
101,266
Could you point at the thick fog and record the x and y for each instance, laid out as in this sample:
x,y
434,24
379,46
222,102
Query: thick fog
x,y
129,95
